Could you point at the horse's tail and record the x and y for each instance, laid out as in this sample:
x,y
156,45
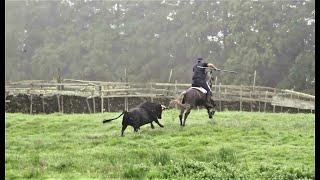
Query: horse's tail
x,y
182,96
108,120
176,102
179,101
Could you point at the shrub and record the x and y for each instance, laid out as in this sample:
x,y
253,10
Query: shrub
x,y
225,154
201,170
135,171
161,157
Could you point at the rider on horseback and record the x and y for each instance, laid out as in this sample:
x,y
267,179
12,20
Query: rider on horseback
x,y
199,77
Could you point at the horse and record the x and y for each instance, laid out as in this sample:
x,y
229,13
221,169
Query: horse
x,y
192,98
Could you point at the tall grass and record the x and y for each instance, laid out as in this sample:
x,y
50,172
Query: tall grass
x,y
238,145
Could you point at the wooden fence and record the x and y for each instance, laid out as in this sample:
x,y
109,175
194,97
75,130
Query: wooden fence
x,y
221,93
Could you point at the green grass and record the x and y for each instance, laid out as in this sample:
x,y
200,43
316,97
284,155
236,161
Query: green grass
x,y
237,145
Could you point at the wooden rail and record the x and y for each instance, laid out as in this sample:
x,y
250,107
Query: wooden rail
x,y
227,93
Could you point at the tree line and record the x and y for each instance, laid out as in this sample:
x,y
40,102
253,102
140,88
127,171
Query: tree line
x,y
97,40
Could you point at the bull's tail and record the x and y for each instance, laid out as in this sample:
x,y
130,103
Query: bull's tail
x,y
108,120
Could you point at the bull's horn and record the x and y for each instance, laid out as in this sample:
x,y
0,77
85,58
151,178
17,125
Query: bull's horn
x,y
163,107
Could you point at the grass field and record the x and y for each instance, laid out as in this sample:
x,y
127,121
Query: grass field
x,y
238,145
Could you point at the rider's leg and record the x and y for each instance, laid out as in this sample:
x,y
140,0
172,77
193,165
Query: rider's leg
x,y
208,95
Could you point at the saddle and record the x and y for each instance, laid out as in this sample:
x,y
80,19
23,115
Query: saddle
x,y
201,89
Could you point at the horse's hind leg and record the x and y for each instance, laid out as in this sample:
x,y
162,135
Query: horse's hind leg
x,y
209,112
185,115
180,116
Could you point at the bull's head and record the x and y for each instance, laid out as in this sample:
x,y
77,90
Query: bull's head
x,y
163,107
159,112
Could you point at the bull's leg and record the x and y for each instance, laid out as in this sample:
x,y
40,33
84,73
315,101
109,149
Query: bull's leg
x,y
158,123
152,126
123,128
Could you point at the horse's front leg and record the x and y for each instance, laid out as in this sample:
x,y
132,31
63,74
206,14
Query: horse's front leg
x,y
210,111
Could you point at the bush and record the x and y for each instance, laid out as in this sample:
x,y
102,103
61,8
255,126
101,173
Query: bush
x,y
201,170
225,170
160,157
135,171
226,155
278,172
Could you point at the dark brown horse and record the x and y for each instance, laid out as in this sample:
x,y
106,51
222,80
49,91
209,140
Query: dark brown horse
x,y
192,98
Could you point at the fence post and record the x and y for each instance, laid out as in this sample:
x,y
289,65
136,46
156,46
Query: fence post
x,y
169,80
215,84
94,104
254,80
241,97
250,101
101,96
298,107
274,108
62,104
310,108
259,101
43,110
88,105
71,105
175,88
126,103
58,99
291,97
108,101
265,101
30,103
125,74
220,96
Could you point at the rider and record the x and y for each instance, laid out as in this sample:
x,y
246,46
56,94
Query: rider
x,y
199,77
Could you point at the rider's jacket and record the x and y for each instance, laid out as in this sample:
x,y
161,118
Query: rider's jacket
x,y
199,74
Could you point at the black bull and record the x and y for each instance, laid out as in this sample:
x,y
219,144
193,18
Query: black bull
x,y
144,113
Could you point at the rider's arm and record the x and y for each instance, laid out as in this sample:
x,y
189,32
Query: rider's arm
x,y
212,66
